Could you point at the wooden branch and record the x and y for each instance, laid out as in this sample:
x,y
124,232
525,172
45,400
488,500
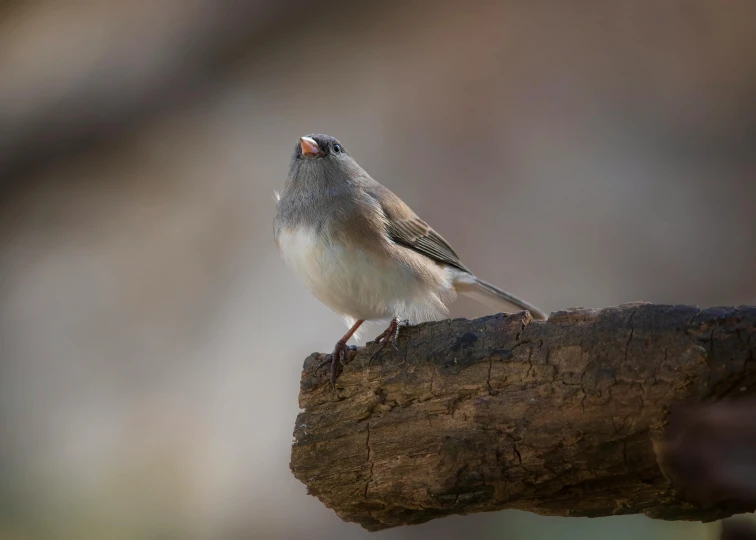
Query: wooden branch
x,y
556,417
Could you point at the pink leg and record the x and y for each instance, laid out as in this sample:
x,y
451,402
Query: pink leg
x,y
339,351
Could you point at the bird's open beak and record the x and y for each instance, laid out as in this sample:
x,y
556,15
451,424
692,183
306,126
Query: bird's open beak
x,y
309,147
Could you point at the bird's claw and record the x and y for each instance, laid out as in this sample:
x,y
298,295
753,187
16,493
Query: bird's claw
x,y
339,353
390,334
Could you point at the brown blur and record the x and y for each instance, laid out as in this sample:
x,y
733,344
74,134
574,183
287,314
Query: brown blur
x,y
586,153
709,451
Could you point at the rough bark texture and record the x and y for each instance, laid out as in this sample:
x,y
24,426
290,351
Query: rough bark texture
x,y
556,417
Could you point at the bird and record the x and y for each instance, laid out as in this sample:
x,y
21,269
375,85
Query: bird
x,y
363,252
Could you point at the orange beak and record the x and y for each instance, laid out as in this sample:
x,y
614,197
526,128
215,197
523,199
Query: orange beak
x,y
309,147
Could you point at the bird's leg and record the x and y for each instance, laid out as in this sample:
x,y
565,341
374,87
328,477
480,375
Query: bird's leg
x,y
339,351
389,334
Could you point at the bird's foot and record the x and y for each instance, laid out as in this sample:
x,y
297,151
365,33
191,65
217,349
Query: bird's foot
x,y
390,334
339,351
327,358
338,355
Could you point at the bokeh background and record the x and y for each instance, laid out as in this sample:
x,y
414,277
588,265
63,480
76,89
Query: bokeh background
x,y
583,153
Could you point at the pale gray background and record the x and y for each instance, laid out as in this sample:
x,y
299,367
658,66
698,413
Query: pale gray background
x,y
151,340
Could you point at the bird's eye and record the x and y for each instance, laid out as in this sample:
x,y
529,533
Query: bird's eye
x,y
337,148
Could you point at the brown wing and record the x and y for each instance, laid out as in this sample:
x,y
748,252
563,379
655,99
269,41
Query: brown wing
x,y
405,228
417,235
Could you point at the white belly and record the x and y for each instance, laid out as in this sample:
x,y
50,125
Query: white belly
x,y
357,283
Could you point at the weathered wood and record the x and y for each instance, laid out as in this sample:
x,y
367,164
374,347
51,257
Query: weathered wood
x,y
555,417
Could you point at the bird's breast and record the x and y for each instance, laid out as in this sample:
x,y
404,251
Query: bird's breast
x,y
302,251
351,279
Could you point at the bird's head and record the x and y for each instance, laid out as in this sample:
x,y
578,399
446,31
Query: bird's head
x,y
321,159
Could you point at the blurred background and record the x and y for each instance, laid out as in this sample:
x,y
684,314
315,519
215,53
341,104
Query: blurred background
x,y
587,153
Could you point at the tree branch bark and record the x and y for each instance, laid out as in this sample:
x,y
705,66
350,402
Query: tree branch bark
x,y
557,417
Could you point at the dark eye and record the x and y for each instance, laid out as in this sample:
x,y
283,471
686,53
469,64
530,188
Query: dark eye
x,y
337,148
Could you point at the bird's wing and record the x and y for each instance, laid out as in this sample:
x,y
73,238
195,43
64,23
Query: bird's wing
x,y
405,228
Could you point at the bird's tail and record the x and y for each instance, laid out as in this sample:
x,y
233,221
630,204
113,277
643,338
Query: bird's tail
x,y
493,296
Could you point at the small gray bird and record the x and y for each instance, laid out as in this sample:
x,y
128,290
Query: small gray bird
x,y
363,252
